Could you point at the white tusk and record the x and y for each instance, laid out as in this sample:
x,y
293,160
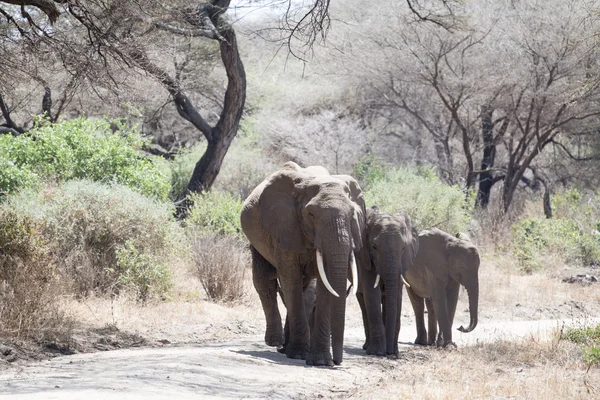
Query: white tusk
x,y
404,280
322,274
376,281
354,273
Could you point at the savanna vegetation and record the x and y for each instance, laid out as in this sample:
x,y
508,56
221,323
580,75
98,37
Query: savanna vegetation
x,y
474,116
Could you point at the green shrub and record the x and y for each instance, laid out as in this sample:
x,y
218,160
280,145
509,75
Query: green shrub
x,y
572,235
368,170
29,287
13,177
216,212
429,202
97,150
589,339
105,237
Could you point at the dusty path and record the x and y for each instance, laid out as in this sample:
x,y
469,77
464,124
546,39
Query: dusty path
x,y
241,369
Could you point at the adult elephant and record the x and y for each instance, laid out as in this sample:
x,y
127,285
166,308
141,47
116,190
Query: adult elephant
x,y
443,264
389,249
303,223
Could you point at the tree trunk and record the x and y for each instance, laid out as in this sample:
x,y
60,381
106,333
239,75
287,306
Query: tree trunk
x,y
220,137
487,161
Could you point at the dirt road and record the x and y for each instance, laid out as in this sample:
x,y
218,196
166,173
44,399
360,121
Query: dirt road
x,y
245,368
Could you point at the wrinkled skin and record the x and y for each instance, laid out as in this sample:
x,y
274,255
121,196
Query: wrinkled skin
x,y
287,218
443,264
389,249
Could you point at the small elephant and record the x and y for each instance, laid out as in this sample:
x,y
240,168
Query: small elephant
x,y
303,223
443,263
389,249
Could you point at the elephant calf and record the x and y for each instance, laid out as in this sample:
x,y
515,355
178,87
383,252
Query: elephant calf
x,y
443,263
389,248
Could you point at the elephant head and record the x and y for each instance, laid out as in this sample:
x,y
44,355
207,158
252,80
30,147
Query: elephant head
x,y
390,246
463,267
309,212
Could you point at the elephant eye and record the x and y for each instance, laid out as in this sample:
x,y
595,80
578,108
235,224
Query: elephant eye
x,y
311,215
374,247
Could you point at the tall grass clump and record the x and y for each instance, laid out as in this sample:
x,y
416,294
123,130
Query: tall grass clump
x,y
29,286
94,149
105,238
218,252
429,202
573,234
220,265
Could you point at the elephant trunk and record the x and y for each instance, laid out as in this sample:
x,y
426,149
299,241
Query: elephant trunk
x,y
391,284
338,274
473,291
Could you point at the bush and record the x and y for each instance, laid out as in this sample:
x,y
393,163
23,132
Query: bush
x,y
429,202
216,212
29,287
97,150
220,266
572,235
589,339
105,237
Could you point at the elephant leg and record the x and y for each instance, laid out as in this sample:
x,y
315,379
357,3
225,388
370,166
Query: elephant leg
x,y
398,322
440,305
418,308
264,278
432,324
377,343
363,309
310,301
292,287
320,337
452,294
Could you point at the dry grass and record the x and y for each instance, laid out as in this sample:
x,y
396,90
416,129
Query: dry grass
x,y
30,288
189,316
528,369
219,263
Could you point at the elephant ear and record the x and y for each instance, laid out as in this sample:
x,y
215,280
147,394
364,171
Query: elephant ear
x,y
278,211
360,213
412,249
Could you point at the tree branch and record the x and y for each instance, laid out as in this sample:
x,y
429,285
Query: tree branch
x,y
48,7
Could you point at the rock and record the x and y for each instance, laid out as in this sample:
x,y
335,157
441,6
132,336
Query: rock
x,y
5,350
585,279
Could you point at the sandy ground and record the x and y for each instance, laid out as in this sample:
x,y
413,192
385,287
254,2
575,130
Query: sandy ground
x,y
244,368
197,349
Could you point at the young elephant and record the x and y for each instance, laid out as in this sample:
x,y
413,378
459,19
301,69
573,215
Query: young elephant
x,y
443,263
389,248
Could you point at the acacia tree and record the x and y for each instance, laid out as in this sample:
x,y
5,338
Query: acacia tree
x,y
125,36
495,92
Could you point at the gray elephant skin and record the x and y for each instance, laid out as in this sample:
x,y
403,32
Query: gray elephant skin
x,y
303,223
444,263
390,245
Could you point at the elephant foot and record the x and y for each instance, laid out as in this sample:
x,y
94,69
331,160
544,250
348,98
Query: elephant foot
x,y
321,358
376,349
422,341
296,352
449,346
274,339
366,345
